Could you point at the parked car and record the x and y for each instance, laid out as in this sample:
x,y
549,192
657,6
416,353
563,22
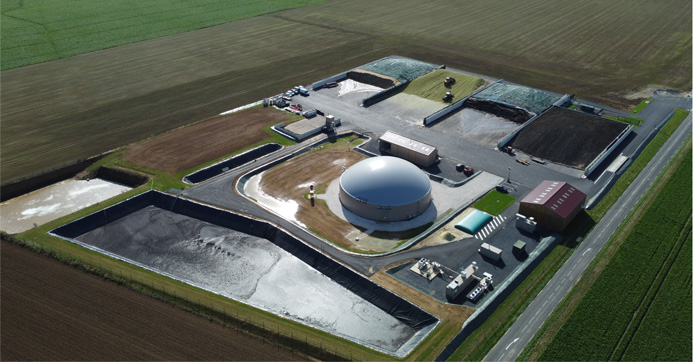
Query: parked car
x,y
331,84
501,188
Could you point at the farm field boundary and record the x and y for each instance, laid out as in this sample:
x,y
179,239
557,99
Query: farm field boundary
x,y
238,316
480,342
49,295
44,30
632,290
153,86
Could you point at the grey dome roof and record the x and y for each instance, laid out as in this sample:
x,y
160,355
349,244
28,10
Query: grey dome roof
x,y
385,180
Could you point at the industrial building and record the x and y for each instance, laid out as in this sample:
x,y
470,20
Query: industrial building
x,y
553,204
385,189
461,282
409,149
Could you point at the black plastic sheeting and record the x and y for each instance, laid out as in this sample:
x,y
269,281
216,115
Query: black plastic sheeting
x,y
394,305
233,162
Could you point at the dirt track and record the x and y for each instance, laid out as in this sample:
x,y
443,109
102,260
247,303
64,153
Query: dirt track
x,y
54,312
202,142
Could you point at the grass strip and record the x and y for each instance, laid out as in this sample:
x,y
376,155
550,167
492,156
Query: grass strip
x,y
480,342
642,105
633,121
639,164
612,307
565,308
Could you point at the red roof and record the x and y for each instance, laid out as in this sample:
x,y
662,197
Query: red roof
x,y
559,197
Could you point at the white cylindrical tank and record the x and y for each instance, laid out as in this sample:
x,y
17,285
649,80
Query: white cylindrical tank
x,y
385,189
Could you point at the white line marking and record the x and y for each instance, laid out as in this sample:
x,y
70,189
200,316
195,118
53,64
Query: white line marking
x,y
514,340
588,249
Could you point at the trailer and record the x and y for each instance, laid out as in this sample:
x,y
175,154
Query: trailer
x,y
490,251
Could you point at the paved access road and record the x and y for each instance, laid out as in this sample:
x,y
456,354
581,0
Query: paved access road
x,y
527,325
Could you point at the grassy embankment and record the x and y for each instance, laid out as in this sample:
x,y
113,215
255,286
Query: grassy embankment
x,y
487,335
291,335
635,299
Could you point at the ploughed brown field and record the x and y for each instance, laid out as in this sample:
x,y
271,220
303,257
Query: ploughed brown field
x,y
194,145
57,112
51,311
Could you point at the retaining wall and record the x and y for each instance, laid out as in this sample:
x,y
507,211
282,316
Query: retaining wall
x,y
336,78
120,176
454,106
396,306
24,186
607,151
381,96
233,162
507,138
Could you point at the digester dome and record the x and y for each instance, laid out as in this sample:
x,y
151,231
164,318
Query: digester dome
x,y
385,181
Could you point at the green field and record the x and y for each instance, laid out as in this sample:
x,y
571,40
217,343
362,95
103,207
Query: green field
x,y
430,86
35,31
640,305
54,113
494,202
487,335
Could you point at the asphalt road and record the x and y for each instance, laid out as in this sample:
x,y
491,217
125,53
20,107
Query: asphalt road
x,y
523,330
220,191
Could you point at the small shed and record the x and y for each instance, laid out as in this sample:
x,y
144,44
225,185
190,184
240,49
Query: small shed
x,y
473,222
414,151
519,247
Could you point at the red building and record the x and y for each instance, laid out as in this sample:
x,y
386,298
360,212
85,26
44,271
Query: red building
x,y
553,204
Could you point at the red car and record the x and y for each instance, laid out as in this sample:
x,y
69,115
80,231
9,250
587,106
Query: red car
x,y
331,84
